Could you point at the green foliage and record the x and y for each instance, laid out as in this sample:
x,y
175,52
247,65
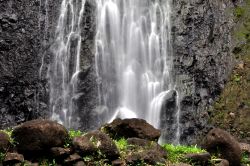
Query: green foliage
x,y
47,162
2,156
239,12
237,78
121,144
72,134
75,133
176,153
245,159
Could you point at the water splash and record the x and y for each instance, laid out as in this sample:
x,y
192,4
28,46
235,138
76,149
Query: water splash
x,y
66,61
134,57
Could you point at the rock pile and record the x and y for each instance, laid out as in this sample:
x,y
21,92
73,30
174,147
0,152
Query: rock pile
x,y
46,139
38,141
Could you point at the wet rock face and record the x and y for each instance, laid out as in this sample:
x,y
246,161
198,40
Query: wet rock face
x,y
24,40
202,58
27,30
86,97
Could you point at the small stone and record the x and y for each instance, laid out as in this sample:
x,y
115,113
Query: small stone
x,y
146,144
151,157
59,152
80,163
232,115
13,158
241,66
245,148
95,142
180,164
199,158
4,141
118,162
72,159
223,162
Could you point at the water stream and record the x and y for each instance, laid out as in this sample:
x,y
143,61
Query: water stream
x,y
133,60
134,57
66,62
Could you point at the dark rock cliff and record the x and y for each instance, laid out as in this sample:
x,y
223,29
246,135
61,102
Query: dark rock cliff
x,y
202,47
25,27
27,30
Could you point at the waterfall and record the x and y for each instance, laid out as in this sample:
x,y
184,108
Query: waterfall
x,y
134,57
65,66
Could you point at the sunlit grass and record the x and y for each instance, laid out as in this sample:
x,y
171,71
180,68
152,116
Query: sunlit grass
x,y
177,152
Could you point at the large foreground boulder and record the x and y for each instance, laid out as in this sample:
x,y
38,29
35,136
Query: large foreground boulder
x,y
130,128
4,141
218,140
39,135
96,143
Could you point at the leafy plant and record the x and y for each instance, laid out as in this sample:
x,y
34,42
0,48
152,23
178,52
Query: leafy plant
x,y
237,78
121,144
2,156
176,153
245,159
47,162
72,134
75,133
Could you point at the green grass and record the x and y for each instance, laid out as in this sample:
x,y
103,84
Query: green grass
x,y
176,153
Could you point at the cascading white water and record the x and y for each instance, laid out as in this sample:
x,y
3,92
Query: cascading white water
x,y
66,62
134,57
43,30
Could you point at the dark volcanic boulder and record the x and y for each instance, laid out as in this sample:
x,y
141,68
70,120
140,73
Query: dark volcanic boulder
x,y
4,141
220,140
129,128
96,143
72,159
39,135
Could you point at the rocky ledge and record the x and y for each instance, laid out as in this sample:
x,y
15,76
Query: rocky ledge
x,y
120,143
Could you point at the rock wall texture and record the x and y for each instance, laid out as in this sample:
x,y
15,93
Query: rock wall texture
x,y
27,30
202,47
24,32
202,44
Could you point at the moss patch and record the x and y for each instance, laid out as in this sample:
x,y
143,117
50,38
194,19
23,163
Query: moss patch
x,y
232,110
